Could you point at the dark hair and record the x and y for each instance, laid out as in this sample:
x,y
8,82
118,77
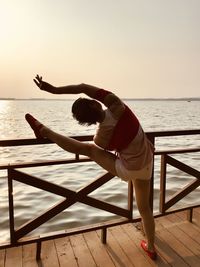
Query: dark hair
x,y
84,112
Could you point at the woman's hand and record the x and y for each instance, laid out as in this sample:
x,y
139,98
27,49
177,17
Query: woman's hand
x,y
38,81
44,85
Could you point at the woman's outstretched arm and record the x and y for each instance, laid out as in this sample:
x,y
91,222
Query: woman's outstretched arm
x,y
89,90
111,101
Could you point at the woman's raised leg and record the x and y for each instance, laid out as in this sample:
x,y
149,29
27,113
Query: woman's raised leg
x,y
104,158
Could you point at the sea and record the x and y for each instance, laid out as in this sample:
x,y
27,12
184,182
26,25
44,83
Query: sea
x,y
29,202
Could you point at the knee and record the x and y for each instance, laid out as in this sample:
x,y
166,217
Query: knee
x,y
92,151
89,150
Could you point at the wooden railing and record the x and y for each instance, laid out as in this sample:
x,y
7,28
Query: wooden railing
x,y
70,197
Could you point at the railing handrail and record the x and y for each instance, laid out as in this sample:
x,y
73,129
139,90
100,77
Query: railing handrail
x,y
151,134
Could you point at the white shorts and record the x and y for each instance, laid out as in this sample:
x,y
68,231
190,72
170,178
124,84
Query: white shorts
x,y
126,175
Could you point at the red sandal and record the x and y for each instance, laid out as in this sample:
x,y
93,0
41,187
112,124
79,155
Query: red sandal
x,y
36,128
151,254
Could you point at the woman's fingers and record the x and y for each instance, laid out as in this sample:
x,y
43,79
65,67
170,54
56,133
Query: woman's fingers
x,y
38,81
39,78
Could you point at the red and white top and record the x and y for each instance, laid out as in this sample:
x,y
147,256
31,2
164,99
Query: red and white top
x,y
123,135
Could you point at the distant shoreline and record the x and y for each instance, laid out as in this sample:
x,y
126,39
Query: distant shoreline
x,y
165,99
188,99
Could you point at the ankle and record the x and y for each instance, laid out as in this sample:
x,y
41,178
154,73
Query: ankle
x,y
150,247
43,131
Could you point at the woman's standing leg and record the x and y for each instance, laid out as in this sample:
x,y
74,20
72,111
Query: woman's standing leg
x,y
142,193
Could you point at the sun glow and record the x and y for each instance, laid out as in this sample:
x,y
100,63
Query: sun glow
x,y
138,48
4,105
5,21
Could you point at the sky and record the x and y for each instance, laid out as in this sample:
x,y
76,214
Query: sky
x,y
135,48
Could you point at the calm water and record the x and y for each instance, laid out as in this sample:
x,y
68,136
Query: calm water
x,y
30,202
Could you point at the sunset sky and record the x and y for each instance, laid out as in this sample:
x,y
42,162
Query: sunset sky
x,y
136,48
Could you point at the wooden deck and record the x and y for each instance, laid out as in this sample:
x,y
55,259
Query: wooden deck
x,y
177,244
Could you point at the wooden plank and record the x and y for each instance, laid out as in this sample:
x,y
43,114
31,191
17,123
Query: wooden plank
x,y
65,252
174,218
173,133
167,252
81,251
13,257
98,251
63,233
197,210
2,257
136,235
175,238
132,251
43,163
182,215
167,222
196,219
164,246
188,228
186,245
35,141
49,254
115,251
186,256
191,230
158,224
29,256
176,151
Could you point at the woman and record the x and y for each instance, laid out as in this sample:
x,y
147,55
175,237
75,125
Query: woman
x,y
118,130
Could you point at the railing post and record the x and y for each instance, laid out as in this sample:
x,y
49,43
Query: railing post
x,y
163,183
130,199
38,251
190,214
152,140
11,206
104,235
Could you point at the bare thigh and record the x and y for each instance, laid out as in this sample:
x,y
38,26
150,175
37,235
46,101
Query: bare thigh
x,y
102,157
